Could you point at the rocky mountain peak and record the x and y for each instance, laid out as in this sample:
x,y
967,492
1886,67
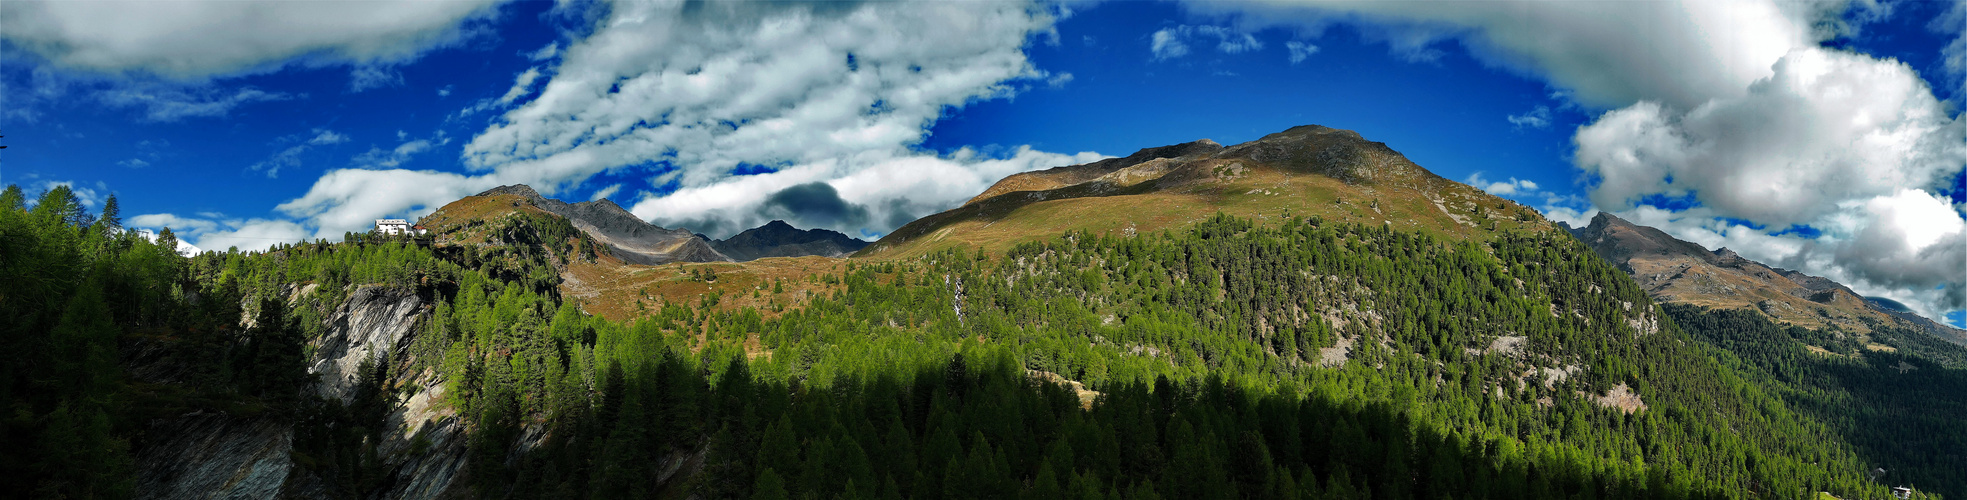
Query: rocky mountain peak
x,y
780,239
521,190
1621,241
1337,153
1606,219
1725,256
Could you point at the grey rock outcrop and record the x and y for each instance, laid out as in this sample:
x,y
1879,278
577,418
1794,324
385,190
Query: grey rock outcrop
x,y
424,444
208,455
427,456
373,322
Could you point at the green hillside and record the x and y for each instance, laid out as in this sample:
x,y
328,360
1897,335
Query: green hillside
x,y
1283,354
1305,171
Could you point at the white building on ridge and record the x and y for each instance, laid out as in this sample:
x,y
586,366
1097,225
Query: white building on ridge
x,y
397,226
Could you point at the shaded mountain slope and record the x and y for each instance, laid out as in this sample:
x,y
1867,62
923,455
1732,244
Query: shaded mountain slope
x,y
779,239
1673,270
1307,170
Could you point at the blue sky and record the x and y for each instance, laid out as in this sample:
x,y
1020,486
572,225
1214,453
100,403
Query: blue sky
x,y
1821,136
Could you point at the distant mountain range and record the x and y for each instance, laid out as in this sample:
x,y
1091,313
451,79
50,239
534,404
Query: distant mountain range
x,y
631,239
1674,270
638,242
1156,188
779,239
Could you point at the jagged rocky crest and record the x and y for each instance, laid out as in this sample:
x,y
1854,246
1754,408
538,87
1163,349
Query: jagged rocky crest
x,y
779,239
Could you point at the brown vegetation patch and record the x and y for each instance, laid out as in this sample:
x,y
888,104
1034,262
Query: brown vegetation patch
x,y
772,285
1086,396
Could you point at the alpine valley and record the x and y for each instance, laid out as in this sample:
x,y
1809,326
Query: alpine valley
x,y
1309,315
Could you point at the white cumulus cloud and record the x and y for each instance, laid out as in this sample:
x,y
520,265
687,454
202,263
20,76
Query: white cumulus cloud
x,y
605,192
175,39
520,85
1608,53
1846,144
219,233
1827,127
1511,187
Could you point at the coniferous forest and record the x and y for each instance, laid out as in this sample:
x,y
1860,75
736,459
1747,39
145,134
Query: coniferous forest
x,y
1231,359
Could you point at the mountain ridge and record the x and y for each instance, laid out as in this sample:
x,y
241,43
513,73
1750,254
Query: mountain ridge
x,y
1305,170
1675,270
780,239
630,238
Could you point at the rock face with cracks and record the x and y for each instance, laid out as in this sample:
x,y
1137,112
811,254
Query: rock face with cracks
x,y
208,455
423,447
370,324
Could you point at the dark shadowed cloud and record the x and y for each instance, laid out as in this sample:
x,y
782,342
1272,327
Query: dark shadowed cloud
x,y
813,204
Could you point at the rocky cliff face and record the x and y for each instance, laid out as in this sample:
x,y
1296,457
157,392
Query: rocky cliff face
x,y
372,325
211,455
424,443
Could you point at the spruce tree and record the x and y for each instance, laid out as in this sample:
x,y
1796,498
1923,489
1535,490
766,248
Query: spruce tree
x,y
111,219
769,486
